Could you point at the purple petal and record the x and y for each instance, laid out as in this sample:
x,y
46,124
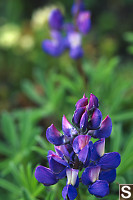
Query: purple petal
x,y
56,164
82,102
108,176
70,191
99,188
58,151
105,129
50,153
93,102
56,35
45,175
76,53
90,145
67,128
84,154
61,175
90,175
54,136
74,39
110,160
80,142
56,19
77,115
53,47
68,27
84,22
77,183
65,192
62,151
98,149
96,119
84,121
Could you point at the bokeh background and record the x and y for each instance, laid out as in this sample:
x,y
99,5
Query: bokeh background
x,y
37,89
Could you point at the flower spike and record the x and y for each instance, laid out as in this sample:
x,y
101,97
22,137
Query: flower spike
x,y
74,151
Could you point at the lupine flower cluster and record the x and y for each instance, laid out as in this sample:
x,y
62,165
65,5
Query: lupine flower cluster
x,y
75,152
68,35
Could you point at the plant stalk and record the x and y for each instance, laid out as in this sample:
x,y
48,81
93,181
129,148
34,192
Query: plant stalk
x,y
79,61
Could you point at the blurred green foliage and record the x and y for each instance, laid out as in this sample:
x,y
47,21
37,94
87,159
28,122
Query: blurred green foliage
x,y
36,90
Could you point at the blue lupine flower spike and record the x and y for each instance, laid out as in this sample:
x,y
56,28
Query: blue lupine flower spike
x,y
74,152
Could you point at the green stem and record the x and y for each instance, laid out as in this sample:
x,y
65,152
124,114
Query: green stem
x,y
78,197
79,61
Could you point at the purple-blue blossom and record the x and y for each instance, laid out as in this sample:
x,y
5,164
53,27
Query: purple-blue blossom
x,y
75,44
56,19
55,46
84,22
74,152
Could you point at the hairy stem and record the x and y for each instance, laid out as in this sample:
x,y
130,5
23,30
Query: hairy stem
x,y
77,2
79,61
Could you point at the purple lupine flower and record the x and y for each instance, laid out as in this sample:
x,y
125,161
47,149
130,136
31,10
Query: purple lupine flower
x,y
84,22
75,44
55,46
56,19
74,151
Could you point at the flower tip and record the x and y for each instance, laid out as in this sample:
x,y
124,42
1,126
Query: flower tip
x,y
54,136
84,95
45,175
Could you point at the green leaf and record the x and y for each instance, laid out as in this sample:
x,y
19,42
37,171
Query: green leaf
x,y
116,136
26,129
9,186
40,188
31,92
5,149
127,115
9,130
26,194
128,36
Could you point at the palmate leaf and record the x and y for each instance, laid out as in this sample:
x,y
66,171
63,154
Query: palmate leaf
x,y
23,184
20,135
